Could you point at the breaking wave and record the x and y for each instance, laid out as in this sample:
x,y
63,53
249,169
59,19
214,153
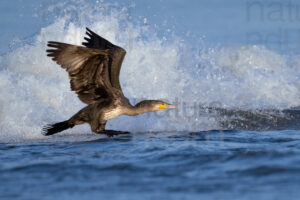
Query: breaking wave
x,y
35,91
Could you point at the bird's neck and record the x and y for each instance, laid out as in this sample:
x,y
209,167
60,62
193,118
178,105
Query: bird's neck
x,y
138,109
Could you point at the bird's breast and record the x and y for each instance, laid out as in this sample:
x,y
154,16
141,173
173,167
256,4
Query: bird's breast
x,y
112,113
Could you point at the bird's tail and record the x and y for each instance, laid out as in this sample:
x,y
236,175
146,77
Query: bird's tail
x,y
52,129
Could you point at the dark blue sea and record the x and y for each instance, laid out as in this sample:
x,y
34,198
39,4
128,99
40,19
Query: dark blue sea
x,y
175,165
232,66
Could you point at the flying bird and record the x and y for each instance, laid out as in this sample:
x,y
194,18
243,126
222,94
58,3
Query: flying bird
x,y
94,70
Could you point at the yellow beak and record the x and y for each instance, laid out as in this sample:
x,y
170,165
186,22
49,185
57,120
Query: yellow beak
x,y
167,106
171,106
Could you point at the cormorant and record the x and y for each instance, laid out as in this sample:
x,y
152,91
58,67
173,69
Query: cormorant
x,y
94,75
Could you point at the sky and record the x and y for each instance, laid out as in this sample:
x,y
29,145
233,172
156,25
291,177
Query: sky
x,y
274,24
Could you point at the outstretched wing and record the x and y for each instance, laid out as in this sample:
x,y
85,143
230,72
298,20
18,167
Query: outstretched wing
x,y
95,41
87,68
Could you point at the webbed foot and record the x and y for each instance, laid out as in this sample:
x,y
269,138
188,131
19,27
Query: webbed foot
x,y
112,133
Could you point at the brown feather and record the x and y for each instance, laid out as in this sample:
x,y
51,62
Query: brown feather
x,y
87,68
95,41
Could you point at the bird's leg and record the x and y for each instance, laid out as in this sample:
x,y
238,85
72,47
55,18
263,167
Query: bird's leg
x,y
99,128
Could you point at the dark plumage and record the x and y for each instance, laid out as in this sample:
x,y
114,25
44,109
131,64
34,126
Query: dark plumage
x,y
94,75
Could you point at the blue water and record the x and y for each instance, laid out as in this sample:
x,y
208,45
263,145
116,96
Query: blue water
x,y
232,66
202,165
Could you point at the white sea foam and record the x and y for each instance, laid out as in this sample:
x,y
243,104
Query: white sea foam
x,y
35,91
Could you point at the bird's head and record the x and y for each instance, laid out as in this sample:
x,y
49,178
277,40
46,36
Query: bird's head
x,y
155,105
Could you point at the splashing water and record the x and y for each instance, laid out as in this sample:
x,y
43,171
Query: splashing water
x,y
35,91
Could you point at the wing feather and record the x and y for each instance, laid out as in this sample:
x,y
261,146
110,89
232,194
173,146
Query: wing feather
x,y
95,41
87,68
